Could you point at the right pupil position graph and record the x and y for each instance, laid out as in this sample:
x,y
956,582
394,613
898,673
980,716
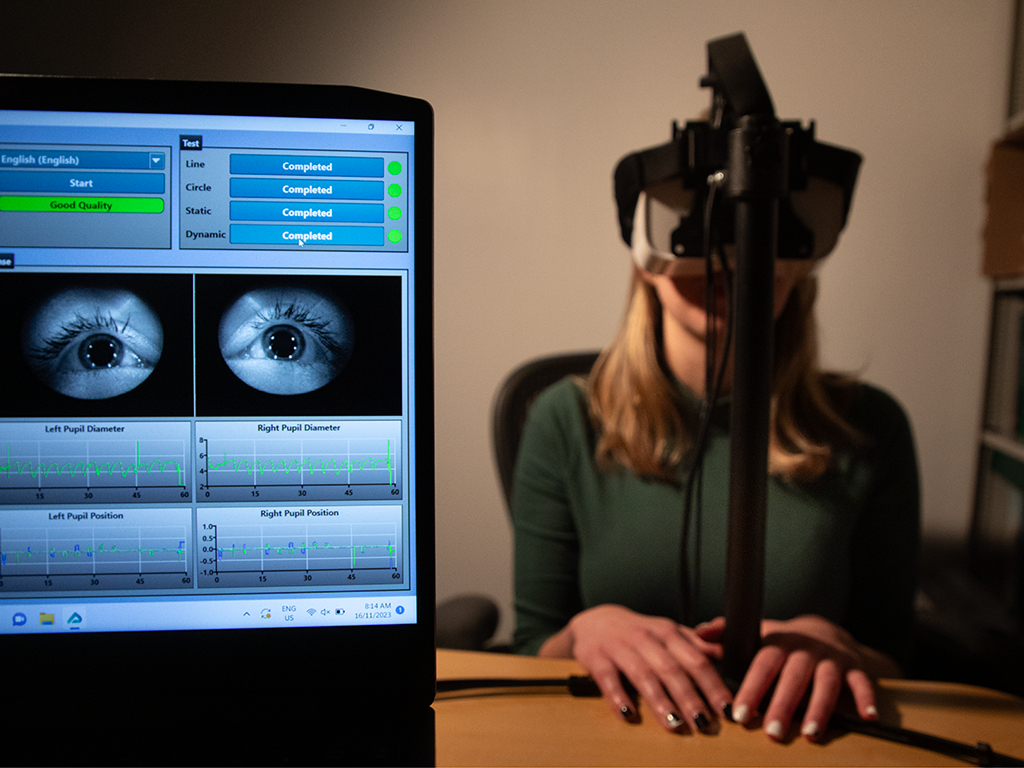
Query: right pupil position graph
x,y
301,546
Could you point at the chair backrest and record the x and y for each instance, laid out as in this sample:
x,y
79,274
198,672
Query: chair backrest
x,y
516,396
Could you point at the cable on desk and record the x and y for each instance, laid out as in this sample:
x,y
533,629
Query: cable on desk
x,y
979,754
577,685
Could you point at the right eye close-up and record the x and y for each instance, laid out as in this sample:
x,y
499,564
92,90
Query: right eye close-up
x,y
286,341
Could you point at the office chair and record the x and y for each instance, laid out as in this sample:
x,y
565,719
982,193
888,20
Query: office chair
x,y
467,622
514,399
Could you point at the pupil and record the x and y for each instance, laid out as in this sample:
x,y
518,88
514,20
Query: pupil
x,y
101,351
282,342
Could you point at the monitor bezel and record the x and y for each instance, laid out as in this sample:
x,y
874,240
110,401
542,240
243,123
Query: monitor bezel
x,y
187,655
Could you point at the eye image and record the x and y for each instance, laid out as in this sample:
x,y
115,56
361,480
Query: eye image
x,y
97,344
286,341
298,345
92,343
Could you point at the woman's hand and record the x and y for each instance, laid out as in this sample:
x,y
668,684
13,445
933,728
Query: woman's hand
x,y
807,652
668,664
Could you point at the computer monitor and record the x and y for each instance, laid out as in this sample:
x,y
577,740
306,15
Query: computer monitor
x,y
216,480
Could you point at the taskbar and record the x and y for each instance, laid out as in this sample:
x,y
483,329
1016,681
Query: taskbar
x,y
42,617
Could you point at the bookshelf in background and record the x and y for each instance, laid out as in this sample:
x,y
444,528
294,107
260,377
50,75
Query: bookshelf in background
x,y
997,526
997,532
970,600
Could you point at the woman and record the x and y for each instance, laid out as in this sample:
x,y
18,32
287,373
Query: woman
x,y
598,505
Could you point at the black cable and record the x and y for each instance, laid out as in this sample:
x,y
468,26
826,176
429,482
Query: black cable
x,y
690,592
713,380
578,685
980,754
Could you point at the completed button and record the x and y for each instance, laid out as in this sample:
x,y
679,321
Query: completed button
x,y
298,235
326,213
303,165
307,189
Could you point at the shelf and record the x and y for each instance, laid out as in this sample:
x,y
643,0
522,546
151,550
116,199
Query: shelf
x,y
1009,284
1003,444
1016,122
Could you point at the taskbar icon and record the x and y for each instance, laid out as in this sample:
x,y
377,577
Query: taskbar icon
x,y
50,619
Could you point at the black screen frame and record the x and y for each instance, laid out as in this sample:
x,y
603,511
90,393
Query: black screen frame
x,y
194,661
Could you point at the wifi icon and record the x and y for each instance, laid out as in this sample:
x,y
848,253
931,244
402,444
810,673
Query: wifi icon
x,y
311,611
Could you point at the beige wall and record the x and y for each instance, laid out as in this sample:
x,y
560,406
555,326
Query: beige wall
x,y
536,101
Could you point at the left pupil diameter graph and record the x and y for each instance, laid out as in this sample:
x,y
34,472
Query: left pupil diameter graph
x,y
72,463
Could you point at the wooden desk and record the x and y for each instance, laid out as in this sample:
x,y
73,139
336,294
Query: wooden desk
x,y
547,727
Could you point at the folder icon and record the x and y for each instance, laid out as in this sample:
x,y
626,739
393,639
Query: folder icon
x,y
45,619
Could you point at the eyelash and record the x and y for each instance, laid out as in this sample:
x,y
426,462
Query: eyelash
x,y
68,332
304,317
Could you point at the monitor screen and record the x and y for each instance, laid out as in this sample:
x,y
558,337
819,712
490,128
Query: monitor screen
x,y
217,416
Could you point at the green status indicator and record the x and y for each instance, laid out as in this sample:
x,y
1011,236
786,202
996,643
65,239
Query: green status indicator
x,y
395,190
395,236
82,204
394,167
394,213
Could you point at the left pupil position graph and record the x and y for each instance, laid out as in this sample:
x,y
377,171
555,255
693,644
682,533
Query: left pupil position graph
x,y
85,463
96,549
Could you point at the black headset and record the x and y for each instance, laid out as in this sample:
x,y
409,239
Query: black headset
x,y
662,192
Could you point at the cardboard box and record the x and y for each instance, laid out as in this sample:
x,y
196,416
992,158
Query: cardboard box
x,y
1004,223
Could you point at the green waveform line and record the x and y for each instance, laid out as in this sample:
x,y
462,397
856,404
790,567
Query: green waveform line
x,y
35,469
77,552
302,547
310,465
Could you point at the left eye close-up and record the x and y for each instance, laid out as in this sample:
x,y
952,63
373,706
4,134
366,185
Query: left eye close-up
x,y
286,341
93,343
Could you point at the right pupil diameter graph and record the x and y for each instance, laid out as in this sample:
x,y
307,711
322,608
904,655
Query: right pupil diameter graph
x,y
305,461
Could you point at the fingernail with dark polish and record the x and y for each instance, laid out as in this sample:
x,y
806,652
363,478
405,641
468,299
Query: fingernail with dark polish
x,y
727,711
701,721
627,712
674,720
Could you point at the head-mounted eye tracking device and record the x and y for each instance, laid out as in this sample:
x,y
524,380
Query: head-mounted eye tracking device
x,y
671,217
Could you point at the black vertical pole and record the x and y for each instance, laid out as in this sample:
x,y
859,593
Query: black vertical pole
x,y
755,179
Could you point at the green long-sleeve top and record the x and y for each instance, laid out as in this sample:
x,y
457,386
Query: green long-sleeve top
x,y
843,546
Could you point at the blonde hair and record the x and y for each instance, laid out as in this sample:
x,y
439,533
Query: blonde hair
x,y
642,419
